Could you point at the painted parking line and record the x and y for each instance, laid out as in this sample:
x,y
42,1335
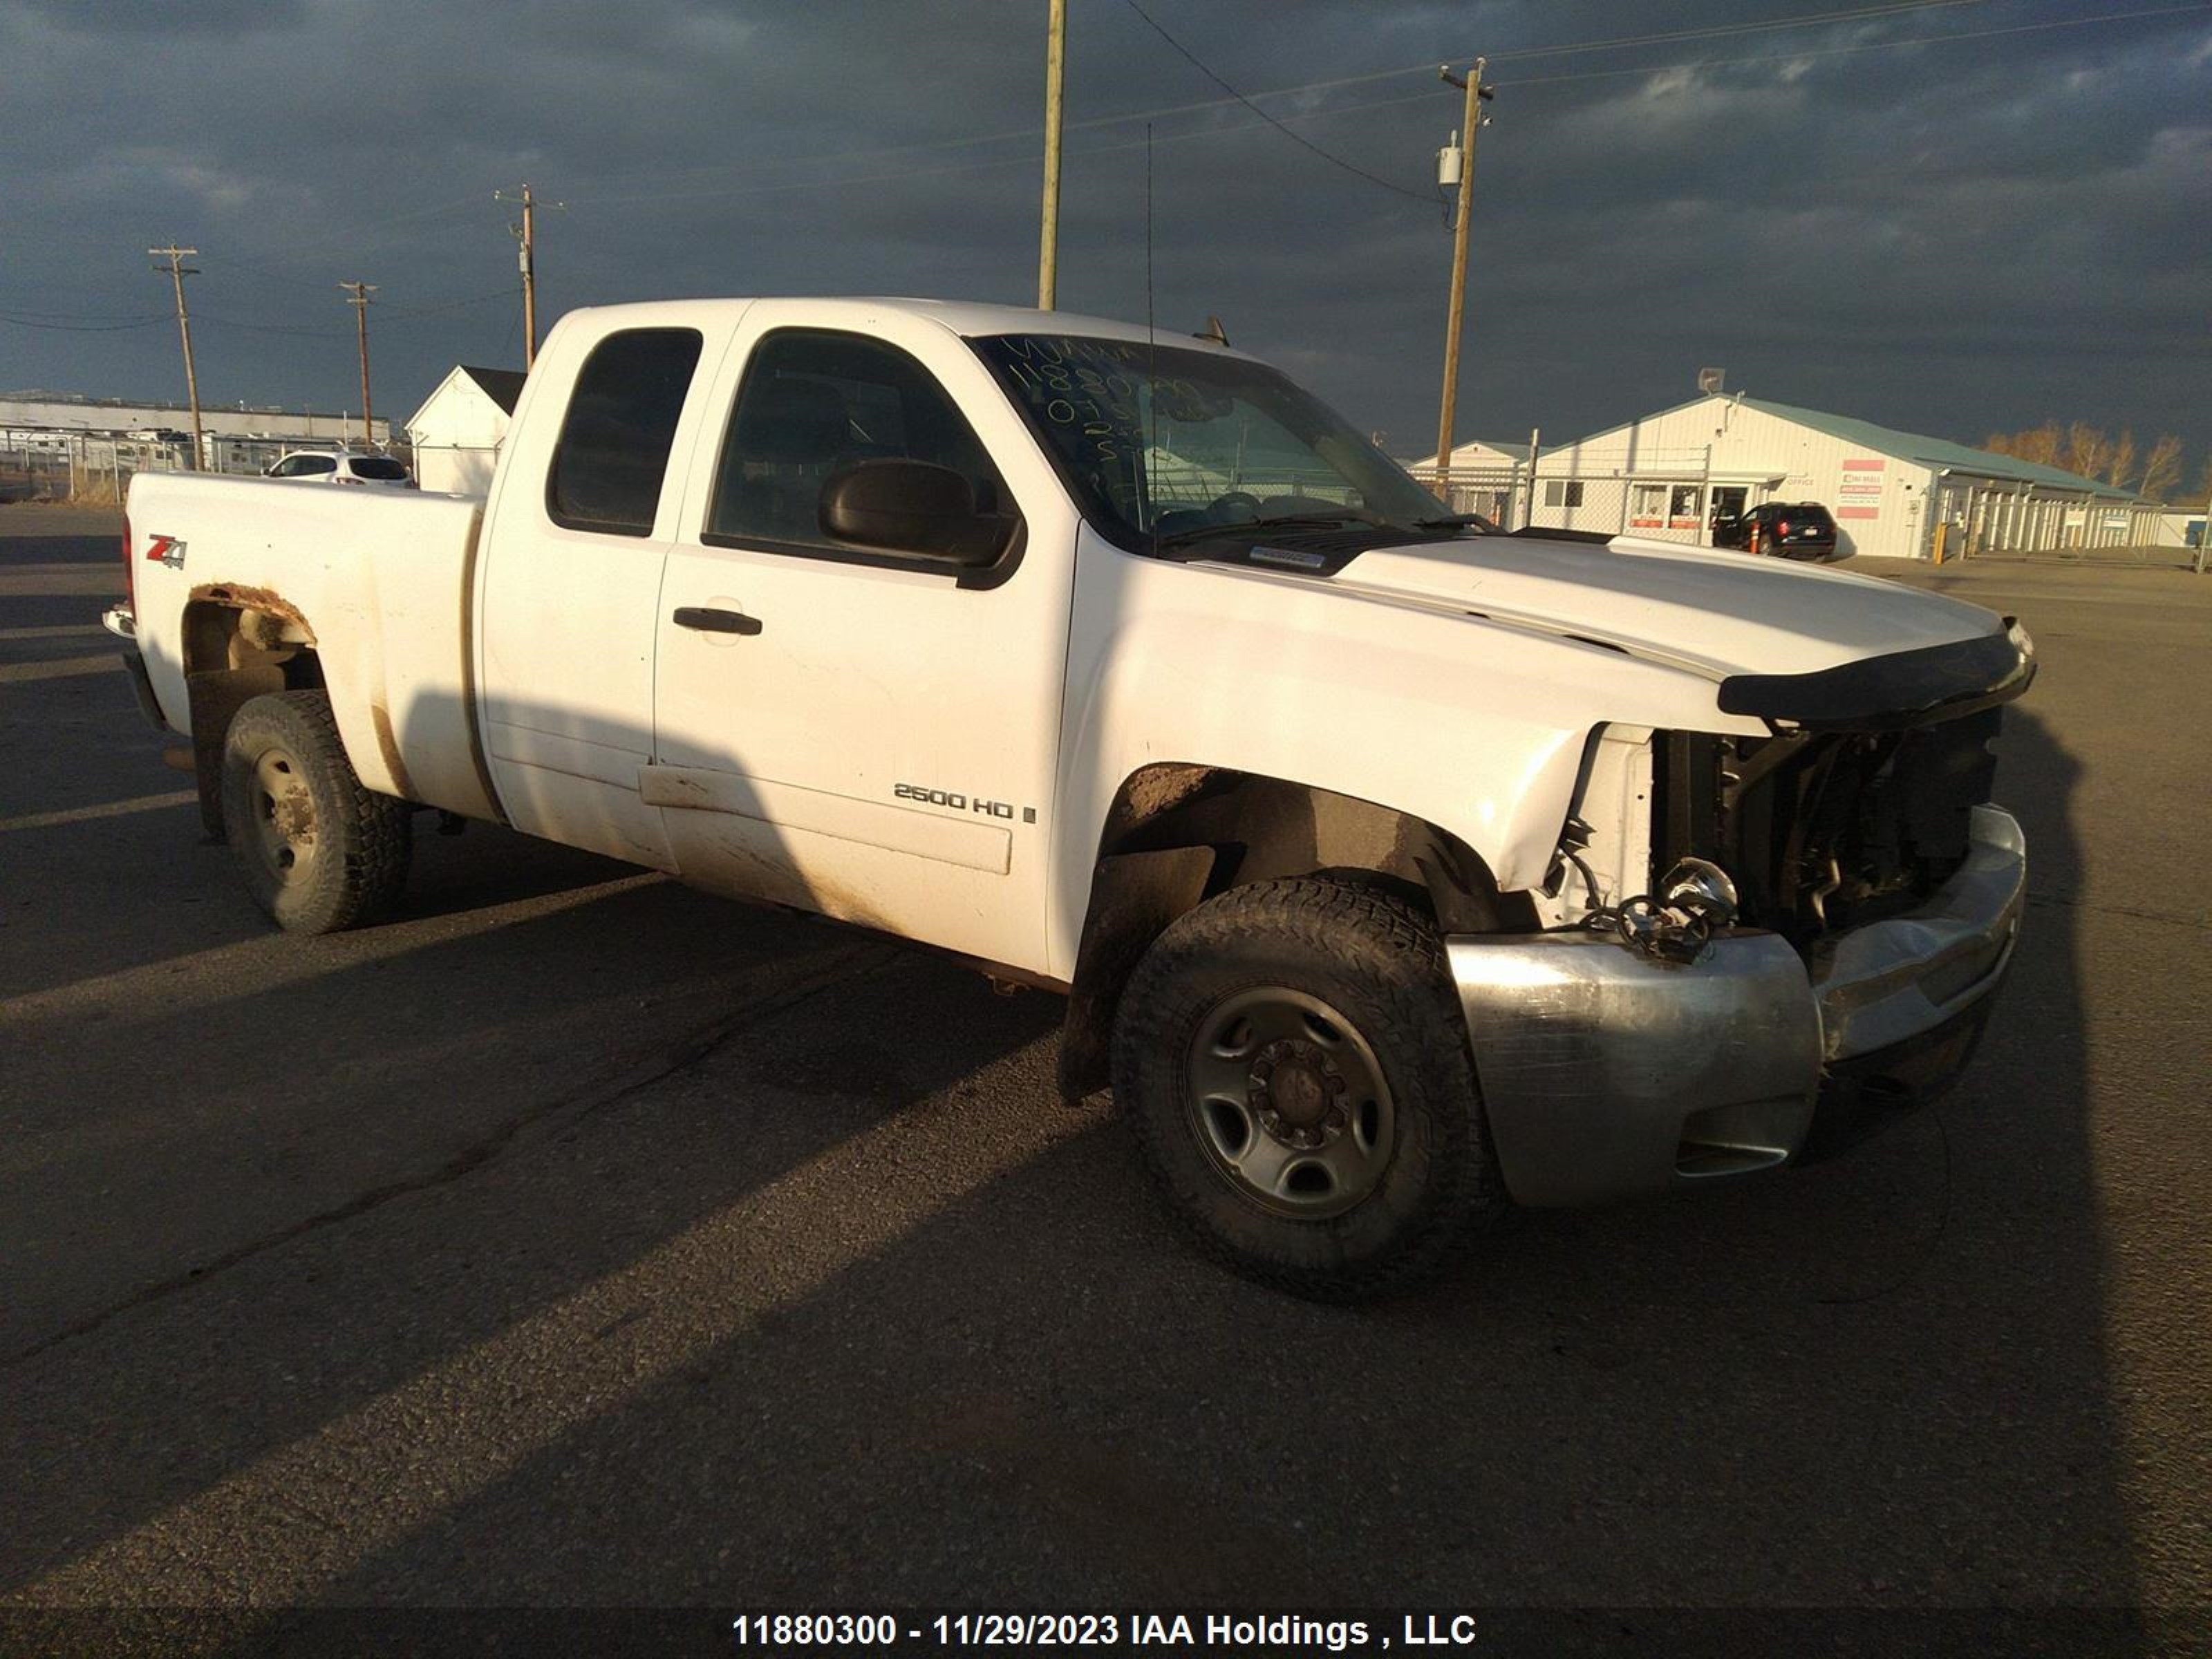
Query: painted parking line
x,y
74,630
113,809
59,668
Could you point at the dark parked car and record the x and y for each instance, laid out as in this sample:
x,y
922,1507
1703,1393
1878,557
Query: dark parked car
x,y
1790,530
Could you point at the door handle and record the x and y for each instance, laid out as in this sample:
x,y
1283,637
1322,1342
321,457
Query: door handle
x,y
707,620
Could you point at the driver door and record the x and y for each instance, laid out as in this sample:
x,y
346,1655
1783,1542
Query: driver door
x,y
850,731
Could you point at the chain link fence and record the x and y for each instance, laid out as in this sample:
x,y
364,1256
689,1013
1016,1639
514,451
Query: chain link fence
x,y
96,469
95,472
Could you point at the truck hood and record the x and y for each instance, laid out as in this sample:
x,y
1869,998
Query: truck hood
x,y
1715,614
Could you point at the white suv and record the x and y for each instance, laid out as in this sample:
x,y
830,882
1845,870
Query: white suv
x,y
325,466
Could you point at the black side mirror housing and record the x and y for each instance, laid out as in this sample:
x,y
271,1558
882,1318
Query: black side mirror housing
x,y
915,507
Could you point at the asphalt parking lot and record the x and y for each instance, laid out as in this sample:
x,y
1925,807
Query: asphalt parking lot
x,y
575,1240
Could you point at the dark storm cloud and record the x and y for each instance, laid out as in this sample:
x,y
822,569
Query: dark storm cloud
x,y
1947,237
107,18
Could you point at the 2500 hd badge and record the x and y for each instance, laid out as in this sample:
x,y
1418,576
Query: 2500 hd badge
x,y
958,802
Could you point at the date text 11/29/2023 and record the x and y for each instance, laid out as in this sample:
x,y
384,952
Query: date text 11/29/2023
x,y
1262,1633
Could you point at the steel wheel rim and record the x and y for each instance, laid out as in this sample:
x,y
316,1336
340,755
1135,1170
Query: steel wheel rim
x,y
284,816
1288,1103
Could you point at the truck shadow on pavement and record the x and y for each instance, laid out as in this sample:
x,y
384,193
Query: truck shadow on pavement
x,y
830,1302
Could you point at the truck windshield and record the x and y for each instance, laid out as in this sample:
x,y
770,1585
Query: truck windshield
x,y
1166,444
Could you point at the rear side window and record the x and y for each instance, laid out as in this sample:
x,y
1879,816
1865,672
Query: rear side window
x,y
613,449
378,466
815,402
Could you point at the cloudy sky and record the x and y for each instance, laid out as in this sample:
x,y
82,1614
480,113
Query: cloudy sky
x,y
1950,217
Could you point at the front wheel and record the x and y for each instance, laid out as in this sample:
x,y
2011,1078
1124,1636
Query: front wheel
x,y
319,852
1296,1069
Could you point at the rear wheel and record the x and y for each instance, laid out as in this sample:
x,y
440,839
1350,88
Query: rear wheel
x,y
1296,1069
320,853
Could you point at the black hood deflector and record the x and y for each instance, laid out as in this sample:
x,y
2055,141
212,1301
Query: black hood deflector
x,y
1886,694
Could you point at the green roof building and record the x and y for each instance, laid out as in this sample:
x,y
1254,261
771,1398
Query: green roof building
x,y
1665,475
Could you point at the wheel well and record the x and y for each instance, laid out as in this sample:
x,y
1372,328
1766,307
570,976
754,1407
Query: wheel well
x,y
1177,834
237,644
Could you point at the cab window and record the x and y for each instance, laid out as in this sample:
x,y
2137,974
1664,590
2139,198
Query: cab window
x,y
814,402
613,450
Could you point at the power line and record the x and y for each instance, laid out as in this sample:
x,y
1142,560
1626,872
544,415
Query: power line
x,y
84,327
443,307
1896,8
1429,68
1333,160
311,332
27,318
901,175
293,330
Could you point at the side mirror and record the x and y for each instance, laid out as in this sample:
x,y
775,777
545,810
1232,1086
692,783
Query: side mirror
x,y
911,507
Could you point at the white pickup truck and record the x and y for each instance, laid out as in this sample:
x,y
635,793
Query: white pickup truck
x,y
1395,869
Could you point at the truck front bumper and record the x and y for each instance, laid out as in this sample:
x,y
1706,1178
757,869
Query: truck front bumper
x,y
1604,1073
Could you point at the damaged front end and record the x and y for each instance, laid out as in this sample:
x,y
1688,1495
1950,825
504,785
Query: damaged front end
x,y
1828,910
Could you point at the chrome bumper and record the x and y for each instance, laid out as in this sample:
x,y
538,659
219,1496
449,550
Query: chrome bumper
x,y
1604,1073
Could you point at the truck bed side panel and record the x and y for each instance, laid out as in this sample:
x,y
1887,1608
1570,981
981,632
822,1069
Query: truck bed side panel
x,y
380,582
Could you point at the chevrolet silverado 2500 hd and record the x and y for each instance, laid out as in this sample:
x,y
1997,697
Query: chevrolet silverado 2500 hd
x,y
1395,869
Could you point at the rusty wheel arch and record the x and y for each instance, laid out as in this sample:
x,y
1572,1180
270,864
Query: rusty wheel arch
x,y
238,642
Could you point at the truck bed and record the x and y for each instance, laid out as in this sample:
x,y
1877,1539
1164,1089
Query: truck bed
x,y
378,582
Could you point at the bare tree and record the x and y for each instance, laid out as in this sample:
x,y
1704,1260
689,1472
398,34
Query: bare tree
x,y
2120,465
2037,444
2161,469
2086,449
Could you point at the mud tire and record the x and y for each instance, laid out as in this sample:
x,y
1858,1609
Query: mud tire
x,y
319,852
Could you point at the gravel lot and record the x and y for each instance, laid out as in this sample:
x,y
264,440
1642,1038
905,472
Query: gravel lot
x,y
576,1240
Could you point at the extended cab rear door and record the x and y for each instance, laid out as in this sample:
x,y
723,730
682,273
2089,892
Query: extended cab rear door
x,y
866,735
583,510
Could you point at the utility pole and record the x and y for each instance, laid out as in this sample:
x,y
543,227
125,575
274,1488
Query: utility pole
x,y
358,299
526,234
1477,95
178,271
1056,71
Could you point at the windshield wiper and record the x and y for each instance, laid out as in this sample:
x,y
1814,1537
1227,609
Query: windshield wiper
x,y
1262,526
1456,522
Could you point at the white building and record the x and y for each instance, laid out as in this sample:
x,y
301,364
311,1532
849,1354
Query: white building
x,y
54,414
1665,475
1487,475
2179,529
457,432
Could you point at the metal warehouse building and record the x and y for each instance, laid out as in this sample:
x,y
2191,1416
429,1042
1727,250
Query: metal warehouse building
x,y
1665,475
50,441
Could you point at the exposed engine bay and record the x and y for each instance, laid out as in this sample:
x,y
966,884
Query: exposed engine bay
x,y
1822,831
